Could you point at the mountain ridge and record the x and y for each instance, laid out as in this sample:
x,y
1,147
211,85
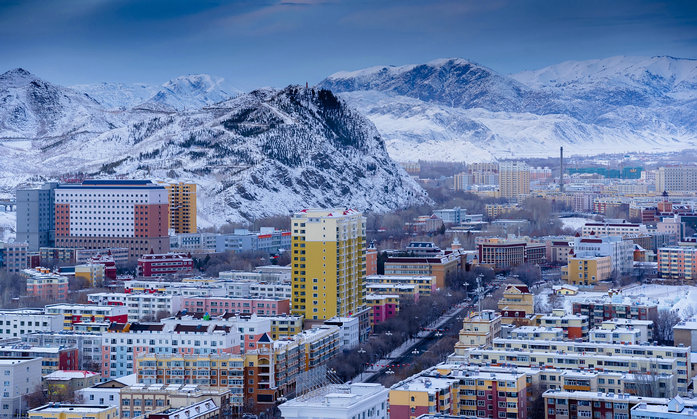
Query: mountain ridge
x,y
615,104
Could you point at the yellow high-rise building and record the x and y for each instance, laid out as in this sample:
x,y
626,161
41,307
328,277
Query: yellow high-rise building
x,y
182,207
514,179
328,263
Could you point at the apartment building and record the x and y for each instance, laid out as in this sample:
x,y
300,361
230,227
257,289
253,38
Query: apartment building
x,y
462,392
500,253
88,344
140,306
575,326
536,333
13,257
347,401
164,264
621,251
676,179
21,376
107,392
425,285
438,265
675,408
65,382
382,307
406,291
184,288
52,358
123,343
21,322
349,330
182,207
517,302
142,400
514,180
46,285
622,358
220,305
588,404
418,396
677,262
98,214
328,263
622,229
587,270
600,311
267,239
35,216
84,313
478,329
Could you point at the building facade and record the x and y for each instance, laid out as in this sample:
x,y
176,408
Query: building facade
x,y
328,263
182,207
99,214
35,216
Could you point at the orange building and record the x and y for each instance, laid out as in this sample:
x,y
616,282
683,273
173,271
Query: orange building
x,y
371,260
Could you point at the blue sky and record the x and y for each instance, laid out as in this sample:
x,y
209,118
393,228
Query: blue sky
x,y
253,43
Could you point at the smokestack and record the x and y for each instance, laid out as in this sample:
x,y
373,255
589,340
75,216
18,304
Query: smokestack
x,y
561,169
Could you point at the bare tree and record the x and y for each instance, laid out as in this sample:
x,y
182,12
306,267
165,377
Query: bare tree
x,y
663,326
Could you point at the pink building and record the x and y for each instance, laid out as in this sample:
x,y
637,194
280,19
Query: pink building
x,y
384,306
220,305
43,284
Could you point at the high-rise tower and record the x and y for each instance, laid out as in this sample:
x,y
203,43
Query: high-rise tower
x,y
328,262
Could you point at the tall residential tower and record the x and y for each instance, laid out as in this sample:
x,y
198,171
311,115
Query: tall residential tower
x,y
328,262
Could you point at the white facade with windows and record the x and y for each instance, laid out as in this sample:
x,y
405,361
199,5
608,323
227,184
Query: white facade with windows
x,y
18,323
19,377
139,305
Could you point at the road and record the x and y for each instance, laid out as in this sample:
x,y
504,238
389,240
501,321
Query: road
x,y
421,342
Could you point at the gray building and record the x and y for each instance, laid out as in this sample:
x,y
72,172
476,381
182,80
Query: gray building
x,y
13,257
20,377
36,216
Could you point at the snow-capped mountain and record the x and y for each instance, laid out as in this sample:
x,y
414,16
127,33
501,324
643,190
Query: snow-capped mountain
x,y
183,93
258,154
118,96
189,92
452,109
32,108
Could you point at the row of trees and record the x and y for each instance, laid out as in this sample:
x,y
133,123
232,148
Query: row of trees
x,y
412,317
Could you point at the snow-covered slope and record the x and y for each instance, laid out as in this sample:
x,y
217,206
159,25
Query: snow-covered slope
x,y
452,109
189,92
259,154
32,108
118,95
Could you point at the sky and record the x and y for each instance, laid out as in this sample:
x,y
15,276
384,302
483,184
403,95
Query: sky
x,y
256,43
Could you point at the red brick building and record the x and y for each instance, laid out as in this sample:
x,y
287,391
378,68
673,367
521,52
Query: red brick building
x,y
164,264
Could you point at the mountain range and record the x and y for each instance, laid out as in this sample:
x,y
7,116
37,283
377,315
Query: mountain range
x,y
457,110
271,151
263,153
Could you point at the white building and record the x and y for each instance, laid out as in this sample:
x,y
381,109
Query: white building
x,y
358,400
20,376
614,229
349,328
184,289
139,305
89,345
18,323
621,252
106,393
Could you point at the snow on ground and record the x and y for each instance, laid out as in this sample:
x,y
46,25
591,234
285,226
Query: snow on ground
x,y
575,223
682,298
8,223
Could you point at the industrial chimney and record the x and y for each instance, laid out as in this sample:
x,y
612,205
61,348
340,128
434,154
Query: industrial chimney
x,y
561,169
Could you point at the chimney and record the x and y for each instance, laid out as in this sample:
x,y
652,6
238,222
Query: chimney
x,y
561,169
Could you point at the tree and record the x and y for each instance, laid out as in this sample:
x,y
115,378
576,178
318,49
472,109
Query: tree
x,y
663,326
